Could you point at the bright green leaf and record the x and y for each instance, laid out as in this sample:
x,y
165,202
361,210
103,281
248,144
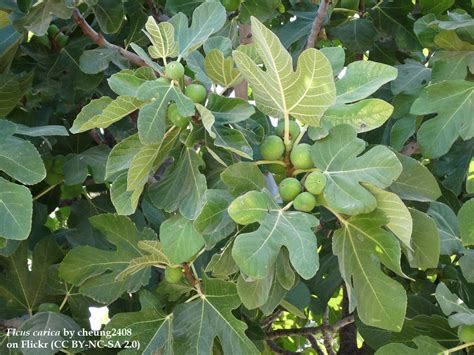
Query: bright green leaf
x,y
337,157
179,239
452,101
425,242
95,270
279,91
221,70
364,115
16,210
415,183
243,177
20,159
183,188
192,332
466,222
162,39
149,326
207,19
256,252
381,301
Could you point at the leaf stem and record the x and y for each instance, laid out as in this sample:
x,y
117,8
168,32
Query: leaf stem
x,y
100,40
198,283
287,206
265,162
338,216
310,330
459,347
340,9
63,303
286,136
301,135
318,23
377,5
42,193
301,171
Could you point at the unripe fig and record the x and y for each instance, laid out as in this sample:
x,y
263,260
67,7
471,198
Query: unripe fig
x,y
272,148
173,274
196,92
175,117
289,188
315,182
53,30
174,70
301,156
61,39
466,333
294,129
43,40
304,202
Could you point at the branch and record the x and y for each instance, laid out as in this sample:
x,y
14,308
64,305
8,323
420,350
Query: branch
x,y
278,350
157,15
15,323
271,318
327,337
314,344
347,335
410,149
95,136
318,23
245,32
102,42
310,330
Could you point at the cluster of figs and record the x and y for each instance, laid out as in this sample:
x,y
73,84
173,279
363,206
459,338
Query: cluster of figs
x,y
302,193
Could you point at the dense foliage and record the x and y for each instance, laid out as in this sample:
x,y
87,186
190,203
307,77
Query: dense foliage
x,y
239,178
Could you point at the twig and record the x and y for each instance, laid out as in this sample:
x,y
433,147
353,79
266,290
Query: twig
x,y
277,349
271,318
191,278
95,136
102,42
347,335
245,32
459,347
314,344
310,330
327,337
12,323
410,149
44,192
318,23
156,13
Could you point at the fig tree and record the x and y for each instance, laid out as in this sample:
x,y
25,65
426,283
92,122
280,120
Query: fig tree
x,y
196,92
304,202
294,129
466,333
175,117
289,188
301,156
174,70
272,148
315,182
173,274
